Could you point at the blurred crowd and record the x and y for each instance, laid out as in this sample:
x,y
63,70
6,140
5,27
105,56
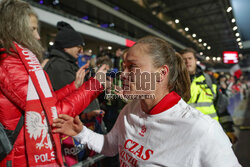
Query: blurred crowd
x,y
231,85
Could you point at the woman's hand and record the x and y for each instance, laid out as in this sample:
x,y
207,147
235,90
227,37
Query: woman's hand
x,y
80,74
67,125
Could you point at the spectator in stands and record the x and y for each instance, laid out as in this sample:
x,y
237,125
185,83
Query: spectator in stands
x,y
94,120
112,106
62,65
160,130
26,90
62,68
94,110
118,59
206,95
244,87
222,81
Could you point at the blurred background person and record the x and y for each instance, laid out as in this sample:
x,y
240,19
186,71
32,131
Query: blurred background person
x,y
205,94
117,59
62,65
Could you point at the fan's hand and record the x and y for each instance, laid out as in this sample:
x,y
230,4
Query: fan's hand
x,y
80,74
67,125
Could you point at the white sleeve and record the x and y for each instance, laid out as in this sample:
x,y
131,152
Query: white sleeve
x,y
105,144
215,149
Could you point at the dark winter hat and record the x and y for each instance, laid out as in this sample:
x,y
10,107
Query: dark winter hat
x,y
67,37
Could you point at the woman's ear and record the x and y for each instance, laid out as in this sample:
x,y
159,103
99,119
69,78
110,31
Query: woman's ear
x,y
163,73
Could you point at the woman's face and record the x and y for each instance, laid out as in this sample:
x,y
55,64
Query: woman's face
x,y
139,75
33,23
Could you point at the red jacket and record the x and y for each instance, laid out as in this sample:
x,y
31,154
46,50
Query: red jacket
x,y
13,92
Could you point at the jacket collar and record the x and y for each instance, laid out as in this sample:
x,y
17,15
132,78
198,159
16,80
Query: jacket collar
x,y
166,103
63,55
198,73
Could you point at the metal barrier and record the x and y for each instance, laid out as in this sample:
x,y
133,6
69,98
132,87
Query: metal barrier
x,y
90,161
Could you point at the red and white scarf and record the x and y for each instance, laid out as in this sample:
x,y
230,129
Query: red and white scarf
x,y
42,147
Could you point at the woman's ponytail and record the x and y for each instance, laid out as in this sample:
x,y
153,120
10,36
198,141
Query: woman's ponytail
x,y
181,84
